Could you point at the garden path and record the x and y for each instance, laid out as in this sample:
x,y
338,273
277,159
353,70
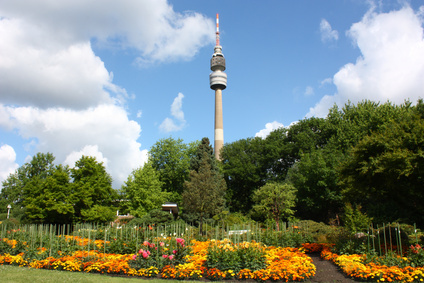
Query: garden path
x,y
327,271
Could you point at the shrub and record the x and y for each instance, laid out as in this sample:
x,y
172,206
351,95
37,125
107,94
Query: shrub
x,y
354,220
225,256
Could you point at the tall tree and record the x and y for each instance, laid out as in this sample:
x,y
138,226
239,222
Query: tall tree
x,y
144,191
92,185
48,200
275,200
244,171
385,170
316,180
203,195
171,158
26,182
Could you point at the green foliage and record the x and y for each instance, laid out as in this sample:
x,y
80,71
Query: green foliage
x,y
203,195
275,201
98,214
386,165
316,180
41,192
236,257
143,189
243,172
157,216
347,243
319,232
354,220
171,158
285,238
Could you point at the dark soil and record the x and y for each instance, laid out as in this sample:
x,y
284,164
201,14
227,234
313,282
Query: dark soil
x,y
327,271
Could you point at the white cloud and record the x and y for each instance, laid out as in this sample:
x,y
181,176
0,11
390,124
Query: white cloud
x,y
391,66
326,81
46,57
169,125
7,162
309,91
327,33
269,127
88,150
150,26
104,131
55,92
139,113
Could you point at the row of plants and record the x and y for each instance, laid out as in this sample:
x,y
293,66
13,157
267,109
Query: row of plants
x,y
391,267
173,258
128,238
179,252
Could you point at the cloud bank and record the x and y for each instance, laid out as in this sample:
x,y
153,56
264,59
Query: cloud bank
x,y
391,66
56,92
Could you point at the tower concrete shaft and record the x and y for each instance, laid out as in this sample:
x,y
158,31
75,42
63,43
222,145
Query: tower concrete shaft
x,y
218,82
219,124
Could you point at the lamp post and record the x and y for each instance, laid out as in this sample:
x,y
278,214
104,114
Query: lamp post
x,y
8,210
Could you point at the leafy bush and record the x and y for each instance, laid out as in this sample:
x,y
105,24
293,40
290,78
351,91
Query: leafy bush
x,y
350,244
156,216
293,237
354,220
319,232
231,257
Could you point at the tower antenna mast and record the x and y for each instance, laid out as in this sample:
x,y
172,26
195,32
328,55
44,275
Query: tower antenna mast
x,y
217,30
218,82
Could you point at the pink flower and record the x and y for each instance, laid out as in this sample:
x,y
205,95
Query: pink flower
x,y
162,244
140,251
174,252
145,243
134,257
164,256
148,252
180,241
145,254
171,257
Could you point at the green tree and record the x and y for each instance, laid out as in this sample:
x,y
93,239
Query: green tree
x,y
92,185
203,195
47,200
171,158
40,191
143,189
353,122
275,200
244,172
384,171
316,179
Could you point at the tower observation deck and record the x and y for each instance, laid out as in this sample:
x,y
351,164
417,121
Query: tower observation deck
x,y
218,82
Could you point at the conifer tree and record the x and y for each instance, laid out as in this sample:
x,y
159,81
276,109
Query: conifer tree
x,y
203,195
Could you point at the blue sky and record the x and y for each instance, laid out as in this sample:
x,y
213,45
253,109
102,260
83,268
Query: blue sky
x,y
110,78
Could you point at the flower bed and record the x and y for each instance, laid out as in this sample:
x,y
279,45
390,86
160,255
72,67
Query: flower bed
x,y
355,267
284,264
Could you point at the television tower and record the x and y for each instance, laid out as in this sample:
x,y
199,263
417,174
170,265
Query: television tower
x,y
218,82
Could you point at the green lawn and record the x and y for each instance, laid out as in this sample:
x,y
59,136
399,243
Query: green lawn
x,y
30,275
